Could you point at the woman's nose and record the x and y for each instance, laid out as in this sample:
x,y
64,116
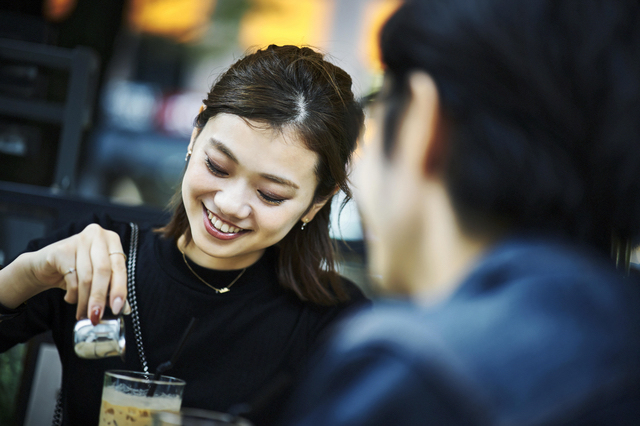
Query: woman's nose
x,y
232,201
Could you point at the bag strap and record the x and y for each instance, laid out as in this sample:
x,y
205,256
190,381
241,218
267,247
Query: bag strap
x,y
57,412
133,301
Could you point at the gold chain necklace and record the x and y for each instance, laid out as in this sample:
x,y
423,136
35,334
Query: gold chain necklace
x,y
218,290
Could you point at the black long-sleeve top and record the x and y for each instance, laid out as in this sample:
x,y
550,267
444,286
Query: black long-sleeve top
x,y
243,341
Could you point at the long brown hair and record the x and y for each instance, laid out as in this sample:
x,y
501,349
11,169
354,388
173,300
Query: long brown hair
x,y
294,88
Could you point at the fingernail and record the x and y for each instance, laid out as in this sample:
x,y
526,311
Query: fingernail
x,y
127,308
95,315
116,306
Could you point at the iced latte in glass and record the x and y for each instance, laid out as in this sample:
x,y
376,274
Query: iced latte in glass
x,y
126,400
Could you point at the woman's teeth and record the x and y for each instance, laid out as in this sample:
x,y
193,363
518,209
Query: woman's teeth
x,y
221,226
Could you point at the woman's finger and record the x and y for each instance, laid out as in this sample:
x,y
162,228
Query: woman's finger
x,y
101,265
127,307
84,272
118,285
70,278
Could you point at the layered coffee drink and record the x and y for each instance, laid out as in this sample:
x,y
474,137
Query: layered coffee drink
x,y
129,398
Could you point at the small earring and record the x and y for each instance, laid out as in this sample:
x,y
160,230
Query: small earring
x,y
189,152
304,223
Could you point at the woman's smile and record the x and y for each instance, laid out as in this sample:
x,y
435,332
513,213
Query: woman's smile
x,y
220,229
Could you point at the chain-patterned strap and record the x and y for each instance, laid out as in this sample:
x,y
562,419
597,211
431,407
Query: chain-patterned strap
x,y
133,301
57,412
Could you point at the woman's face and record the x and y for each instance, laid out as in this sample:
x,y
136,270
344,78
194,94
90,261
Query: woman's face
x,y
244,188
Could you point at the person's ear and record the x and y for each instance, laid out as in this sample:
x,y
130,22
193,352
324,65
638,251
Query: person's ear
x,y
194,133
316,207
421,125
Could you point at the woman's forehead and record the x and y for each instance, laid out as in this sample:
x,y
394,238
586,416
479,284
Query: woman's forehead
x,y
263,149
287,133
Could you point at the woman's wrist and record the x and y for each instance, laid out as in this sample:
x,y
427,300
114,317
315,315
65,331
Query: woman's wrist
x,y
18,283
8,313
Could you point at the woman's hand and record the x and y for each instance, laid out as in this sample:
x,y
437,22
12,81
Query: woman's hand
x,y
90,266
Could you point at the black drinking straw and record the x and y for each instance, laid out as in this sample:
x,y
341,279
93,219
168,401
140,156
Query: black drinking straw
x,y
169,364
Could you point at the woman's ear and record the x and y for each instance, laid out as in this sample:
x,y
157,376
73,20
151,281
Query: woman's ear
x,y
195,132
316,207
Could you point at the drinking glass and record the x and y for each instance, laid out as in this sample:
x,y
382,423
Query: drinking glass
x,y
126,400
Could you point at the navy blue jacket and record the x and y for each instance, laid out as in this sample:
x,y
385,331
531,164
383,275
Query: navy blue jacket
x,y
539,333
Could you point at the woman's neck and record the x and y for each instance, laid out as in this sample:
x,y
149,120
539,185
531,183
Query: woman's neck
x,y
201,258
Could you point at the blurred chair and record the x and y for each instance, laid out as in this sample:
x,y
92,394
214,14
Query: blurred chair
x,y
32,78
29,211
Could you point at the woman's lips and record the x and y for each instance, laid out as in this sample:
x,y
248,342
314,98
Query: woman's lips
x,y
217,227
221,226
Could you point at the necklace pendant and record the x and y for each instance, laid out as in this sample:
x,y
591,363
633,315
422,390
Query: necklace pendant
x,y
223,290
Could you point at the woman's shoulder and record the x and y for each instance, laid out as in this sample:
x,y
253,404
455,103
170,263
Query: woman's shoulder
x,y
356,302
354,292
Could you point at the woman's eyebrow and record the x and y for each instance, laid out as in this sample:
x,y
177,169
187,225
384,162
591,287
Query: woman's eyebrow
x,y
223,149
220,146
279,180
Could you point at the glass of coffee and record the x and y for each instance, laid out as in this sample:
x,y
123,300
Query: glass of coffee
x,y
128,401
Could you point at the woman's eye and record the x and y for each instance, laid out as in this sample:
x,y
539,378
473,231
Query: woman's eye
x,y
271,199
215,169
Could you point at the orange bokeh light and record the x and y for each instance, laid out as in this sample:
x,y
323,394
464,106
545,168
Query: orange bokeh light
x,y
376,13
58,10
182,20
298,22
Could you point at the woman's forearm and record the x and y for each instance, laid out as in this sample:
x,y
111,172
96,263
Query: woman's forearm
x,y
18,283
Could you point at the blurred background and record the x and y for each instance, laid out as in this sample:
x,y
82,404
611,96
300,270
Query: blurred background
x,y
152,61
97,101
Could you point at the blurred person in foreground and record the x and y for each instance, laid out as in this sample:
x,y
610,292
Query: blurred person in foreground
x,y
508,155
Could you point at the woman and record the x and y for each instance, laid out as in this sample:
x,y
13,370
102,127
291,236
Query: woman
x,y
247,251
508,159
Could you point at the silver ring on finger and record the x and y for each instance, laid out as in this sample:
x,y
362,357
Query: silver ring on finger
x,y
69,271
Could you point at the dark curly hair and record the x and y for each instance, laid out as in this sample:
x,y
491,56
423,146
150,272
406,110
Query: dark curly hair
x,y
542,103
290,87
